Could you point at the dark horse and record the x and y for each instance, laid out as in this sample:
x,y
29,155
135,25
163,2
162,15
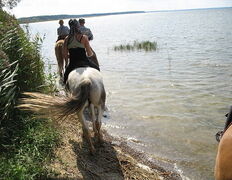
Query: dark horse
x,y
223,166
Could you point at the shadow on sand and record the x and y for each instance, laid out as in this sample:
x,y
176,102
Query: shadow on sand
x,y
104,164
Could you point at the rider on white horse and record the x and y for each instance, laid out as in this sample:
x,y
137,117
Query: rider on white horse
x,y
77,49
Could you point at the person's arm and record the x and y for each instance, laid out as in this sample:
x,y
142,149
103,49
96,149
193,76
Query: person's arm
x,y
85,42
67,30
90,35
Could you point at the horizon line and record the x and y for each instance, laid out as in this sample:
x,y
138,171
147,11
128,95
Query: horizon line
x,y
142,11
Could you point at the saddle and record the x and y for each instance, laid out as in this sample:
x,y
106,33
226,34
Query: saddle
x,y
228,123
61,37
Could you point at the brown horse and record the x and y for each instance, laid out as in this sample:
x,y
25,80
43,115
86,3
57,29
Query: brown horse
x,y
60,57
223,166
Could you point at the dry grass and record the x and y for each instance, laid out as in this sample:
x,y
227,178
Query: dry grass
x,y
55,107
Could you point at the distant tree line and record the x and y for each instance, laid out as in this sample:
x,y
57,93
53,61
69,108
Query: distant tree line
x,y
66,16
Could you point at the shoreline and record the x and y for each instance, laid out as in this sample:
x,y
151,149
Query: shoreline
x,y
164,169
115,159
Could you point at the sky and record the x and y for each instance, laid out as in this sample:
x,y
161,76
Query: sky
x,y
28,8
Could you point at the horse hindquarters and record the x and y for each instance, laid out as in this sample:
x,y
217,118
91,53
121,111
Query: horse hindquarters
x,y
86,83
97,100
82,98
223,166
59,56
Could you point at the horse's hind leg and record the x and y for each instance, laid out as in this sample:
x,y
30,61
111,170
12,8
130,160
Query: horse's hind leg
x,y
85,129
65,63
93,116
59,57
96,124
99,123
100,109
60,66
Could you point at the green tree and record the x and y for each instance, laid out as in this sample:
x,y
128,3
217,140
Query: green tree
x,y
9,3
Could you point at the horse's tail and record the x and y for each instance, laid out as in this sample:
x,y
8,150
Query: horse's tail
x,y
54,106
79,98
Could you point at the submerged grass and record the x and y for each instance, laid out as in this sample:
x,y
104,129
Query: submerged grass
x,y
144,45
26,142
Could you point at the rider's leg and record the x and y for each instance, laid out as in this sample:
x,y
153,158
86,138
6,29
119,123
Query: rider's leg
x,y
67,71
93,58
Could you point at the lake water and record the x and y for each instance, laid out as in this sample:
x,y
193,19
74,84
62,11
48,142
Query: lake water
x,y
168,103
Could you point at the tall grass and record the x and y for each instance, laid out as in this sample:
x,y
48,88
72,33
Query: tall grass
x,y
26,143
31,148
144,45
7,89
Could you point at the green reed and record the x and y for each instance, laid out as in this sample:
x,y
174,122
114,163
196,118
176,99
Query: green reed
x,y
26,142
144,45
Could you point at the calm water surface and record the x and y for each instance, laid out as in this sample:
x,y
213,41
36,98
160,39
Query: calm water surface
x,y
171,101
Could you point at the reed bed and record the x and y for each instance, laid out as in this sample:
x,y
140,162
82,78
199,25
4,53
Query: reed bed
x,y
144,45
26,142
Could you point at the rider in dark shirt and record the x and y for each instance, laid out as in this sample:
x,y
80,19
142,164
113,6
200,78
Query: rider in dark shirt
x,y
77,49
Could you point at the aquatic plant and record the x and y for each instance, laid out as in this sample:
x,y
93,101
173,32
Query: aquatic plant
x,y
144,45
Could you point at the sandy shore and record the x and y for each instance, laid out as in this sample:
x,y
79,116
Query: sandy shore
x,y
114,160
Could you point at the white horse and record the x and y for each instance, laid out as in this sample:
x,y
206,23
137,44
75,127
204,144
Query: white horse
x,y
86,90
